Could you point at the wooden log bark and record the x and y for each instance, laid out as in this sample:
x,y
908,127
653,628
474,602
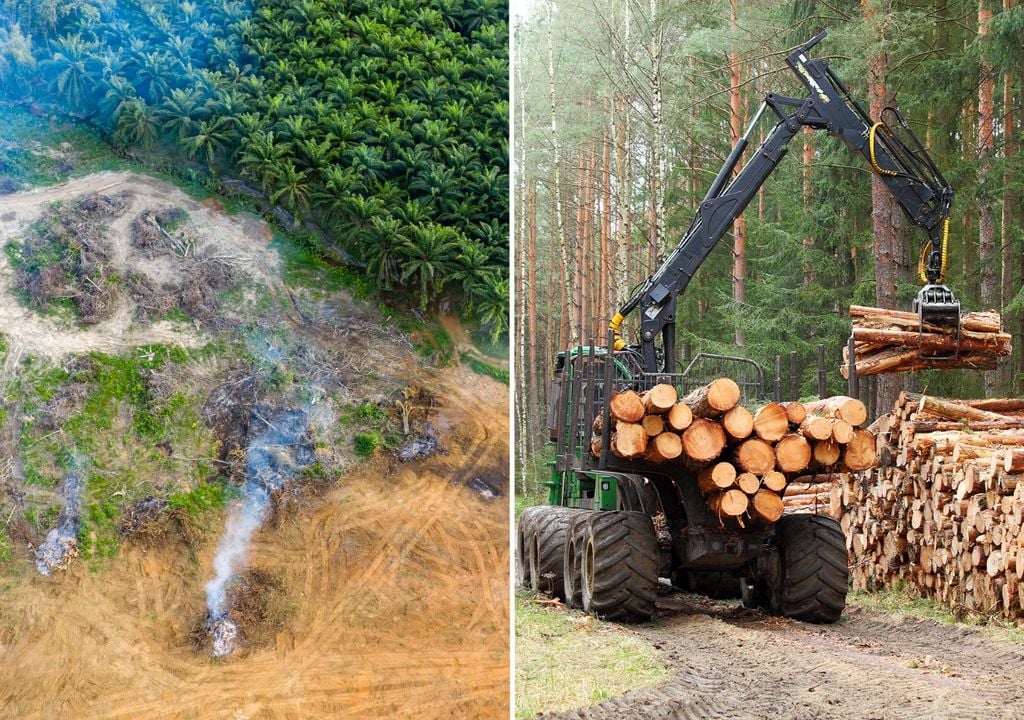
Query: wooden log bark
x,y
716,477
703,441
845,408
952,410
679,416
793,453
660,399
664,447
756,456
626,407
731,502
629,440
771,422
713,399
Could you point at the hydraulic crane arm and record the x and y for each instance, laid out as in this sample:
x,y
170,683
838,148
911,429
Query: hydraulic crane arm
x,y
903,165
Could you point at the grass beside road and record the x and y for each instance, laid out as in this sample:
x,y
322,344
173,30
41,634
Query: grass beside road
x,y
902,600
565,659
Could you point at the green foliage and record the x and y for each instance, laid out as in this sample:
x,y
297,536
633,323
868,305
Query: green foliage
x,y
203,497
367,443
381,124
479,366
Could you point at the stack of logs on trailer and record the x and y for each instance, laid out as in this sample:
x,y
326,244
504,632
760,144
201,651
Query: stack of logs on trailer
x,y
943,512
744,460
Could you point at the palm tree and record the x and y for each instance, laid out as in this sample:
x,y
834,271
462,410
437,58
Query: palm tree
x,y
69,67
210,136
262,158
292,189
472,261
384,247
137,124
178,112
427,255
491,295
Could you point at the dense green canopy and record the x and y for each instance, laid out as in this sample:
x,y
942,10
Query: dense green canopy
x,y
384,124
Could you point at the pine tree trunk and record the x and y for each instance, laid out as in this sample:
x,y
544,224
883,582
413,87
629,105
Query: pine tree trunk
x,y
886,216
986,220
606,270
809,275
1006,216
739,225
579,261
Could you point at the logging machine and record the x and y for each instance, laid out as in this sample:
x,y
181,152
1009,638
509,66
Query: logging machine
x,y
595,543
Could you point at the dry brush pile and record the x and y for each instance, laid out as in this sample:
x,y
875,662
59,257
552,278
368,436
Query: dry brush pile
x,y
943,512
744,460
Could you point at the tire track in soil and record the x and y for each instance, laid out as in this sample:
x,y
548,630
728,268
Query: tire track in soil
x,y
729,662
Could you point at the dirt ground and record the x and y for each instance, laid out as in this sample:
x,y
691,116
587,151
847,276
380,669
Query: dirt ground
x,y
240,239
736,664
396,576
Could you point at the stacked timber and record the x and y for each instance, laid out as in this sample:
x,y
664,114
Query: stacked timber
x,y
743,459
888,341
943,513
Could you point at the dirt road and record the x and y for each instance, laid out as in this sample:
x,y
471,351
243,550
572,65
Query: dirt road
x,y
398,578
735,664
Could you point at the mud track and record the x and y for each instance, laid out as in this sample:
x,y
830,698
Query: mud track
x,y
734,664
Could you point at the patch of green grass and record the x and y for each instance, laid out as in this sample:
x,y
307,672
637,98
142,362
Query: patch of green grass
x,y
900,599
367,443
205,496
6,546
481,368
28,158
305,265
565,659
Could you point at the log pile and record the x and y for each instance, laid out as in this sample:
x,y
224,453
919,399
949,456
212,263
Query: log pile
x,y
888,341
943,512
742,460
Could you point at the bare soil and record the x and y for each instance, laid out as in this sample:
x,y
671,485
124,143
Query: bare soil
x,y
733,663
241,240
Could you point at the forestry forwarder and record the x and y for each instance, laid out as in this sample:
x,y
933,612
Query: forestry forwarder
x,y
595,544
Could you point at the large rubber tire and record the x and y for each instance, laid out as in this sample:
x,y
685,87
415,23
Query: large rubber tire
x,y
525,531
550,527
619,566
814,570
575,537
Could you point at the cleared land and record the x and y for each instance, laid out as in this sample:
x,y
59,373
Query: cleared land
x,y
389,578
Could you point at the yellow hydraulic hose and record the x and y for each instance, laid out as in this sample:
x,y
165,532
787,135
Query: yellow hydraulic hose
x,y
871,151
943,252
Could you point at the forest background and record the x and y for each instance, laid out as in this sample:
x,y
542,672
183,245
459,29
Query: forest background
x,y
624,113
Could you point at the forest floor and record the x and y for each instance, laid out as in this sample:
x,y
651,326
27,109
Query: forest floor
x,y
392,575
729,662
